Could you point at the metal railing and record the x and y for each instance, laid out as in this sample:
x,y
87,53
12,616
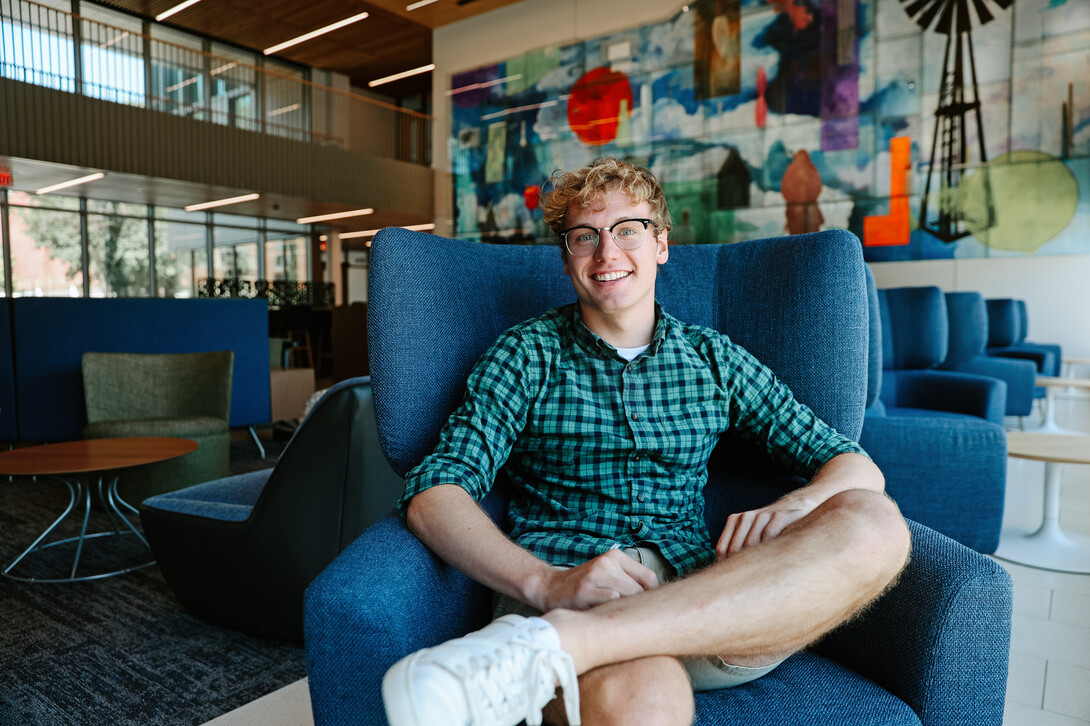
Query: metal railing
x,y
49,47
279,293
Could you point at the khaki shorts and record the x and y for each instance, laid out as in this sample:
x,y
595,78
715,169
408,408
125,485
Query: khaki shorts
x,y
706,673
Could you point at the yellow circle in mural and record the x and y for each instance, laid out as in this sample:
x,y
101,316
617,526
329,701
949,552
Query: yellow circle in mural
x,y
1033,195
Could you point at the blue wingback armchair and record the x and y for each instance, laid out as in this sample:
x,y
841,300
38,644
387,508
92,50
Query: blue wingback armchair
x,y
968,334
915,340
947,472
1008,326
933,650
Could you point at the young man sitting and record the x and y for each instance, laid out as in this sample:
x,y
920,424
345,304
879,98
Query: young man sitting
x,y
602,414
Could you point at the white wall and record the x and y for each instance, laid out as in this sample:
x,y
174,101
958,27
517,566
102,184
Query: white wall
x,y
1056,289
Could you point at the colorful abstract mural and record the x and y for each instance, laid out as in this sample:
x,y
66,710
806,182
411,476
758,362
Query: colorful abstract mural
x,y
932,129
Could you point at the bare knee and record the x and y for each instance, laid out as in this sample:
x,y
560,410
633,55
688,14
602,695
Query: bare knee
x,y
879,535
652,691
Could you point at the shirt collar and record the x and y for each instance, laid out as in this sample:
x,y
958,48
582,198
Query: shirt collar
x,y
593,343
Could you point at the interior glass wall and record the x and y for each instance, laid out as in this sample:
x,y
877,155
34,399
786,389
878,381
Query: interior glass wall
x,y
233,83
112,56
117,249
46,246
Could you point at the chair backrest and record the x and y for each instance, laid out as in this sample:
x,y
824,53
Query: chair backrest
x,y
331,482
797,303
157,385
915,329
1023,320
1005,327
967,316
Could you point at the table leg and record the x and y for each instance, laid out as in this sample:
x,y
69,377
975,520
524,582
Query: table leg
x,y
80,493
1049,426
1049,547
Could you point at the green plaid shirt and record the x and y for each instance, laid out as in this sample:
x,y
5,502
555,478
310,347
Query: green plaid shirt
x,y
604,452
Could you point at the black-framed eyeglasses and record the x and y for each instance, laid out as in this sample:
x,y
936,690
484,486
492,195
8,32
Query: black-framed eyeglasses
x,y
628,234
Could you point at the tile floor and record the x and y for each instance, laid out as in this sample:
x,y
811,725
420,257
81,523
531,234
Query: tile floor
x,y
1049,682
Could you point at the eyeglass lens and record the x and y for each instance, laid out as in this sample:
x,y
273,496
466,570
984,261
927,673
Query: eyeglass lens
x,y
628,234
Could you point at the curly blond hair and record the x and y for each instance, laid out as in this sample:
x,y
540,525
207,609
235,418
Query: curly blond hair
x,y
603,176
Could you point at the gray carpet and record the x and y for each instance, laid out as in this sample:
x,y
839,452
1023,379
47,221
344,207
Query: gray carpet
x,y
121,650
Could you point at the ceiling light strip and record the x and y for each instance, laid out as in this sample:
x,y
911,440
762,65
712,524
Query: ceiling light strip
x,y
222,202
420,4
485,84
335,215
404,74
176,9
70,183
373,232
315,33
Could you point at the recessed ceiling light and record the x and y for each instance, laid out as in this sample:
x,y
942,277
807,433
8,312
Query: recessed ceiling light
x,y
335,215
315,33
403,74
176,9
70,183
222,202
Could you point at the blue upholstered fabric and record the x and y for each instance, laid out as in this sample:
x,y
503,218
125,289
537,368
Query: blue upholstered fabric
x,y
944,469
8,429
230,499
931,651
968,329
1008,325
915,339
52,334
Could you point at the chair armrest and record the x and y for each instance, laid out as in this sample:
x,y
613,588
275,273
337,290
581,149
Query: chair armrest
x,y
1020,376
965,393
948,474
384,597
940,638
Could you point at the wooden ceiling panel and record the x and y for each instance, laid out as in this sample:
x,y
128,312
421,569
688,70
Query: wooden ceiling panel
x,y
389,41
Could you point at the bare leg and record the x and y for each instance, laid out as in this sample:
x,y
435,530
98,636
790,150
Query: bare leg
x,y
649,691
756,606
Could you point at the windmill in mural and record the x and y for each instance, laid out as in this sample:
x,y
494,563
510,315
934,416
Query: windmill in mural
x,y
958,97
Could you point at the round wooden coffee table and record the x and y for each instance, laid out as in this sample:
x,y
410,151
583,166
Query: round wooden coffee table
x,y
1048,547
83,466
1052,385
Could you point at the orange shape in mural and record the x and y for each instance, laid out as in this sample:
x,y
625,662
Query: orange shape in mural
x,y
886,230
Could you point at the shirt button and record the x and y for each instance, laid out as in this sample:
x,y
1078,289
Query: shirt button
x,y
639,497
635,417
637,526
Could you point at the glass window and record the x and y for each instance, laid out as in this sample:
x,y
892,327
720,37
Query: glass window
x,y
177,72
46,201
97,206
36,44
46,252
286,259
118,254
285,101
113,55
181,258
233,83
180,215
234,254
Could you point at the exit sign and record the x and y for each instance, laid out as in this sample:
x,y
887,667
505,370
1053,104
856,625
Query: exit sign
x,y
6,179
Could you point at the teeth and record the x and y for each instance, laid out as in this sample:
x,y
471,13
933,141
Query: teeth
x,y
610,276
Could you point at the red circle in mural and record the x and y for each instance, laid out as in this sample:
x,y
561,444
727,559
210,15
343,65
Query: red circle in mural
x,y
594,109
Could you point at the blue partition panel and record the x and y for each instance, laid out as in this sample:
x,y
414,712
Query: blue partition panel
x,y
52,334
8,429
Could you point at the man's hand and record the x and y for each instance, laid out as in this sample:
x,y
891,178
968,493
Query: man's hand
x,y
746,529
607,577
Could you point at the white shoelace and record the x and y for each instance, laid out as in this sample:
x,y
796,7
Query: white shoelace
x,y
489,684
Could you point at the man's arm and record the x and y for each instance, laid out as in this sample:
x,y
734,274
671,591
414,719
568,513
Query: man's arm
x,y
842,472
452,524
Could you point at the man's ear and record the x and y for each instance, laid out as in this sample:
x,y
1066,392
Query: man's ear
x,y
663,246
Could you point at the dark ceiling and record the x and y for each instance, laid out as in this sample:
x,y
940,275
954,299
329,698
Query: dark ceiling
x,y
390,40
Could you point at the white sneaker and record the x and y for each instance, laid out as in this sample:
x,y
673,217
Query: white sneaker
x,y
497,676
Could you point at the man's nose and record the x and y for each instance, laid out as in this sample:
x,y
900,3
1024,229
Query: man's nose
x,y
603,250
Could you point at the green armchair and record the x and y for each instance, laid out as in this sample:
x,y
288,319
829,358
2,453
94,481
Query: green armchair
x,y
186,395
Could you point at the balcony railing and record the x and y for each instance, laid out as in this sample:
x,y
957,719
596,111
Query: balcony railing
x,y
49,47
279,293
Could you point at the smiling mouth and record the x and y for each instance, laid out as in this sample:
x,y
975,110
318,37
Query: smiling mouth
x,y
610,276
